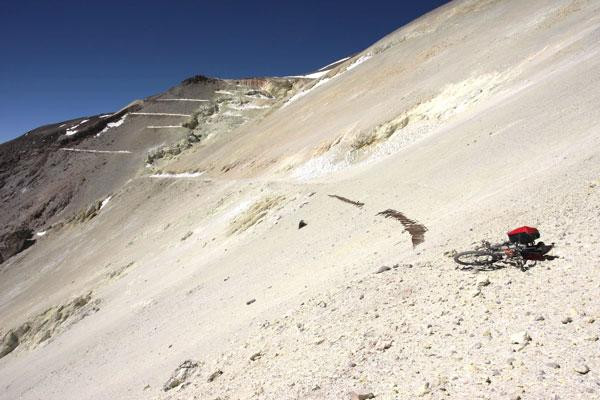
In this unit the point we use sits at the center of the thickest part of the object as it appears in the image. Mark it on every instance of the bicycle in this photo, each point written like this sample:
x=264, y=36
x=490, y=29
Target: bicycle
x=518, y=250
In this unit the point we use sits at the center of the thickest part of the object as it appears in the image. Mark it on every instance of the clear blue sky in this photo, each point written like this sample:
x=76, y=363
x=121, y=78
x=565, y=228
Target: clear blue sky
x=66, y=59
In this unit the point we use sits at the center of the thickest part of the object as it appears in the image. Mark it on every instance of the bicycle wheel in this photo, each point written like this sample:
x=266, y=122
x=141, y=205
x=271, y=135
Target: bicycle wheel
x=477, y=258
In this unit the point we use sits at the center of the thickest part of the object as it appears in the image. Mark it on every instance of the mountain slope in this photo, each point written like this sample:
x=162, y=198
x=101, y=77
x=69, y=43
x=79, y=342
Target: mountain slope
x=474, y=119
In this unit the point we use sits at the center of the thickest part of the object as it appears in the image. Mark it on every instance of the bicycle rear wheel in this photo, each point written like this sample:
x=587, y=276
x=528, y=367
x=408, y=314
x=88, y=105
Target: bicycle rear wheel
x=477, y=258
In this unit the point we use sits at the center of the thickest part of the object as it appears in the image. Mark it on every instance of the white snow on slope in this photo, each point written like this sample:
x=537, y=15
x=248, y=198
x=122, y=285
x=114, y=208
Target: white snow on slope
x=160, y=114
x=314, y=75
x=105, y=202
x=112, y=125
x=247, y=106
x=224, y=92
x=258, y=96
x=324, y=70
x=73, y=130
x=105, y=115
x=303, y=93
x=42, y=233
x=96, y=151
x=232, y=114
x=179, y=175
x=181, y=100
x=359, y=61
x=333, y=63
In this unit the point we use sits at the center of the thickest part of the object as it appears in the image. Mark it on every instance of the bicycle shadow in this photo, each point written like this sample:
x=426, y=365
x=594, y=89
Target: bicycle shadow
x=522, y=265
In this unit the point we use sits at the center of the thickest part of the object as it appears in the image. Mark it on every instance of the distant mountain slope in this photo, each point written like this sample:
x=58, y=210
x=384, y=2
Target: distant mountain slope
x=56, y=171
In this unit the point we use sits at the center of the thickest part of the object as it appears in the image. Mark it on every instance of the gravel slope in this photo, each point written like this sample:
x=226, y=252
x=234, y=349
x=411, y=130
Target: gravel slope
x=475, y=119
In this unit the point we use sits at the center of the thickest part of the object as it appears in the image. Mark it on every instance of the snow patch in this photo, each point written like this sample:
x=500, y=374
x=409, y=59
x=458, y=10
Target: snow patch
x=305, y=92
x=182, y=100
x=247, y=106
x=333, y=63
x=232, y=114
x=161, y=114
x=105, y=115
x=42, y=233
x=258, y=96
x=314, y=75
x=179, y=175
x=73, y=130
x=112, y=125
x=359, y=61
x=227, y=92
x=95, y=151
x=105, y=202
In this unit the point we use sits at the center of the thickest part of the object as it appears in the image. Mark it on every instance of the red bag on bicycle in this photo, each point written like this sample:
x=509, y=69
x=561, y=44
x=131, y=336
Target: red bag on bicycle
x=523, y=235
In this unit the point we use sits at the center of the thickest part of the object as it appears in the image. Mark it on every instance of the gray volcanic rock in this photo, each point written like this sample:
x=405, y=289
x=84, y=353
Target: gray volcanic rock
x=15, y=241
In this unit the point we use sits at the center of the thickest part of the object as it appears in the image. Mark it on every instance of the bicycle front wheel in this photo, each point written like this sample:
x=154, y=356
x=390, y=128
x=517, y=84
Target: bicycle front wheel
x=477, y=258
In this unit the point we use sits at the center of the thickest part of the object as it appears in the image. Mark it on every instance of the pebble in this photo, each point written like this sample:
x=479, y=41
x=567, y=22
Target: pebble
x=383, y=269
x=553, y=365
x=383, y=346
x=250, y=301
x=540, y=318
x=520, y=338
x=365, y=396
x=582, y=369
x=567, y=320
x=483, y=281
x=215, y=375
x=425, y=389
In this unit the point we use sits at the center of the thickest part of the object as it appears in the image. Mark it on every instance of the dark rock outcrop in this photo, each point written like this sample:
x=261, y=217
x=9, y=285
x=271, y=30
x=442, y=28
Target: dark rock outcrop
x=14, y=242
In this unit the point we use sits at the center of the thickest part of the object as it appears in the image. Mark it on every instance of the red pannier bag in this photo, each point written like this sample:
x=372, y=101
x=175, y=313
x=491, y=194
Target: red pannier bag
x=523, y=235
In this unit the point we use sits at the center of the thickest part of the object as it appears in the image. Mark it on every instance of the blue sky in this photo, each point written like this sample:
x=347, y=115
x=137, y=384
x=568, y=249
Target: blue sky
x=66, y=59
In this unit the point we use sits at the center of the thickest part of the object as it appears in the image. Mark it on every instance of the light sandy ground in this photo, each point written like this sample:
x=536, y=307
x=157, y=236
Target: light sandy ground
x=475, y=119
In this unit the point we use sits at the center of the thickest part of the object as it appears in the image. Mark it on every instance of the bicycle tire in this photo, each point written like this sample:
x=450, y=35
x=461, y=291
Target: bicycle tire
x=477, y=258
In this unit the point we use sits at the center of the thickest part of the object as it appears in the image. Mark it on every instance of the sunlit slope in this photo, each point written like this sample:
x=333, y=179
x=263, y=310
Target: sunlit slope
x=474, y=119
x=456, y=62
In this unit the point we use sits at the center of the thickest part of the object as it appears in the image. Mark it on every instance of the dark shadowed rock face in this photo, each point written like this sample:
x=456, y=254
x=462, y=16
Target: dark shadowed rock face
x=198, y=79
x=36, y=181
x=14, y=242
